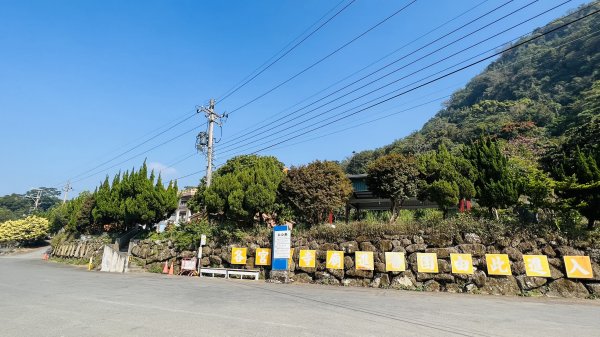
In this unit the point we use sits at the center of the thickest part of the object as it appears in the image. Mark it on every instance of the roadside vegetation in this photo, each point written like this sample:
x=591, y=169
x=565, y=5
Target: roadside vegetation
x=520, y=142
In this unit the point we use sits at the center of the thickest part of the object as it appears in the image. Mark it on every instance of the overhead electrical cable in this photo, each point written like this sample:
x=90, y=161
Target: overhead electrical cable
x=401, y=58
x=258, y=71
x=310, y=119
x=138, y=154
x=436, y=79
x=491, y=56
x=353, y=126
x=129, y=150
x=261, y=122
x=324, y=58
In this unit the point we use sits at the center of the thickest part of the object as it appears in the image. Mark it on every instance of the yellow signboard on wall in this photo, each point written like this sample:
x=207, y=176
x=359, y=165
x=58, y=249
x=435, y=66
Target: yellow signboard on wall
x=461, y=263
x=578, y=267
x=536, y=265
x=335, y=259
x=427, y=263
x=395, y=261
x=364, y=260
x=307, y=258
x=291, y=259
x=497, y=264
x=263, y=257
x=238, y=255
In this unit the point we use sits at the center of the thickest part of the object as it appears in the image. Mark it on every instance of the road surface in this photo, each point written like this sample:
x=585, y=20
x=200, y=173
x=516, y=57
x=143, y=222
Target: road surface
x=40, y=298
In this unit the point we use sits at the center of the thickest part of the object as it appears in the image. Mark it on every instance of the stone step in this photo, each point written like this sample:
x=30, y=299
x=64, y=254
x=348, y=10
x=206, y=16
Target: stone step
x=134, y=268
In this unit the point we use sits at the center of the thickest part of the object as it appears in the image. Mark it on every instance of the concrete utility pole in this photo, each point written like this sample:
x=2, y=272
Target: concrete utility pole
x=36, y=200
x=66, y=190
x=207, y=138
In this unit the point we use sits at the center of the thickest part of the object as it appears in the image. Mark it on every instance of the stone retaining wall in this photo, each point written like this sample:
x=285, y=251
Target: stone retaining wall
x=219, y=255
x=79, y=249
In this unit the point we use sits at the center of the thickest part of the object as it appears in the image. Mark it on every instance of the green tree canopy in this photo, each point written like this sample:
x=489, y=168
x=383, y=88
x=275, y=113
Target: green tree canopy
x=447, y=178
x=394, y=176
x=496, y=184
x=133, y=198
x=244, y=187
x=316, y=189
x=579, y=183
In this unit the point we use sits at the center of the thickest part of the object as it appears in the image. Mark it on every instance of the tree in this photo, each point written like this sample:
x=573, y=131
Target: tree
x=15, y=206
x=27, y=230
x=316, y=189
x=244, y=187
x=496, y=184
x=396, y=177
x=447, y=178
x=579, y=184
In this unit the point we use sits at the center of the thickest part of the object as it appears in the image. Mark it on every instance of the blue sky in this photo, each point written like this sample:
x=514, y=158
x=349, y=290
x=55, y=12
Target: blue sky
x=83, y=81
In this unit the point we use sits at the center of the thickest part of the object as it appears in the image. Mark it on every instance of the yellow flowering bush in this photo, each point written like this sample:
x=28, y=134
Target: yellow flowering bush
x=31, y=228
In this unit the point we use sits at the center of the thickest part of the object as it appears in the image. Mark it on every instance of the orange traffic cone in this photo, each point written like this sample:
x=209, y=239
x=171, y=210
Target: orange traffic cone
x=166, y=268
x=171, y=269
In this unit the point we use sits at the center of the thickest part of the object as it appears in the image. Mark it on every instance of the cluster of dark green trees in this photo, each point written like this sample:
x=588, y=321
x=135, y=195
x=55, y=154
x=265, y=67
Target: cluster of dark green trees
x=250, y=189
x=539, y=105
x=132, y=198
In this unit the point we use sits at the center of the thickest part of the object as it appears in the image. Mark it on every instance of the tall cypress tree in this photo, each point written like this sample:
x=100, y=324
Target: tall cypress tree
x=579, y=184
x=495, y=183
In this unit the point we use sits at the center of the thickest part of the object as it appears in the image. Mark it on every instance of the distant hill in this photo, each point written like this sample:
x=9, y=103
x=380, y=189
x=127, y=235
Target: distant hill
x=531, y=96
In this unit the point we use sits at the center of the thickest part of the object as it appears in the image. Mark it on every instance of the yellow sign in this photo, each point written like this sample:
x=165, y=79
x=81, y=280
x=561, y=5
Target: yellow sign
x=461, y=263
x=291, y=259
x=238, y=255
x=536, y=265
x=427, y=263
x=395, y=261
x=263, y=257
x=578, y=267
x=364, y=260
x=497, y=264
x=335, y=259
x=307, y=258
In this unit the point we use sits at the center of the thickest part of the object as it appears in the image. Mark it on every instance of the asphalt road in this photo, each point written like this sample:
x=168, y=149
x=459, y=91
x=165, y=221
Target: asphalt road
x=39, y=298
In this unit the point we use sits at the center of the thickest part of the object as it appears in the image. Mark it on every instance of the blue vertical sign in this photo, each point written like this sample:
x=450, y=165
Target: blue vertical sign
x=282, y=241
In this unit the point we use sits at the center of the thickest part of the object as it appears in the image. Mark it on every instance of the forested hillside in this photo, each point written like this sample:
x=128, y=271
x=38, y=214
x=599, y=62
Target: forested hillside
x=533, y=98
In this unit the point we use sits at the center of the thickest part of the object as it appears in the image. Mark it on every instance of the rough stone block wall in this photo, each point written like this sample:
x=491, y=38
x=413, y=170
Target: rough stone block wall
x=79, y=249
x=217, y=254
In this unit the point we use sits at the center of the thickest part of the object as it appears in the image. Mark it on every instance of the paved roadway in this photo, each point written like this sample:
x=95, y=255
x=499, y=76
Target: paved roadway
x=39, y=298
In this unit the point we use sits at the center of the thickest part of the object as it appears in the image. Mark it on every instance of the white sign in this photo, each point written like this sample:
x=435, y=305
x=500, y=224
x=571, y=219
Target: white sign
x=188, y=264
x=282, y=241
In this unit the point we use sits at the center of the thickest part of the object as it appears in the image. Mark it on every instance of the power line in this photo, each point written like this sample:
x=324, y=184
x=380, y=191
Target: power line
x=396, y=113
x=309, y=119
x=437, y=78
x=139, y=154
x=448, y=74
x=353, y=126
x=388, y=65
x=252, y=77
x=169, y=128
x=235, y=135
x=324, y=58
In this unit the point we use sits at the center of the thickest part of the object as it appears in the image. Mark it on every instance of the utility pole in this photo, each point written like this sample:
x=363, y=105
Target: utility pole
x=36, y=200
x=206, y=139
x=66, y=190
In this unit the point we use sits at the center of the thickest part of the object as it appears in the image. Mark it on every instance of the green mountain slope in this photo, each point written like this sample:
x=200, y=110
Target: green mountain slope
x=531, y=96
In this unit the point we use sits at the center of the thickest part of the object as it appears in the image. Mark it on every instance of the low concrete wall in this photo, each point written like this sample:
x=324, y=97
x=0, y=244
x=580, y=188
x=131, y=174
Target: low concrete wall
x=114, y=261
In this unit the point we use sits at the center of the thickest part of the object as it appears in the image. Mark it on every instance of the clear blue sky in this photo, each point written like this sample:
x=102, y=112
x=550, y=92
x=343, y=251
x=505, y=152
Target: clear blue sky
x=82, y=81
